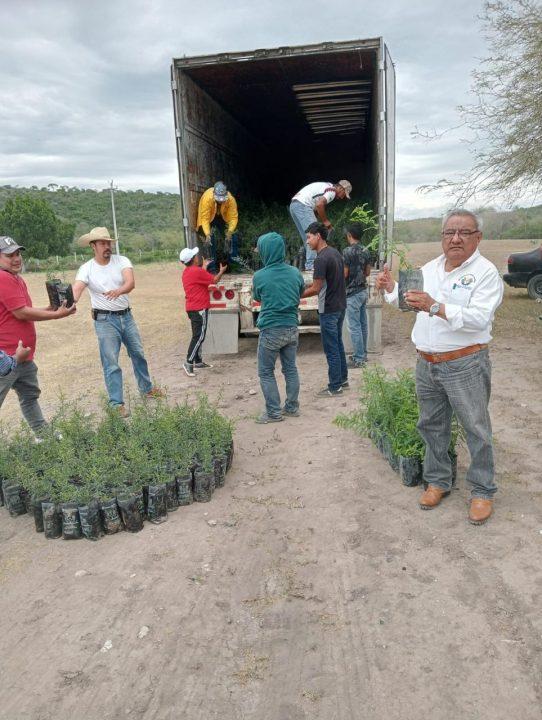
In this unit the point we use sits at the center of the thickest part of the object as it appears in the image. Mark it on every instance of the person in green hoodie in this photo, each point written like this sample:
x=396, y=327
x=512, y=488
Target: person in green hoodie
x=278, y=287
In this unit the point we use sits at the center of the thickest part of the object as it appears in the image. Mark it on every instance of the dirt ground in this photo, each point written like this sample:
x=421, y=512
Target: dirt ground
x=312, y=586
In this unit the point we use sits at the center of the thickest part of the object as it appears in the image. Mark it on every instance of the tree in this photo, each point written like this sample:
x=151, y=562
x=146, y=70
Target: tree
x=32, y=223
x=506, y=118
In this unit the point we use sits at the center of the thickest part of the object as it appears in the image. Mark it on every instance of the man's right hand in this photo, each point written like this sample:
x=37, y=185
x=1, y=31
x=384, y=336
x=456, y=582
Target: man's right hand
x=64, y=311
x=22, y=353
x=384, y=280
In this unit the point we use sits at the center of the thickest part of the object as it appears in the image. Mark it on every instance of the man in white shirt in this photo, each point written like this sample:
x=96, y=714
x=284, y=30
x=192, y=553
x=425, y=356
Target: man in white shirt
x=309, y=204
x=109, y=279
x=462, y=291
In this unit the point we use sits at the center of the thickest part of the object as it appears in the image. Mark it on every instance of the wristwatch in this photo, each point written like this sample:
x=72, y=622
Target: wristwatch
x=433, y=310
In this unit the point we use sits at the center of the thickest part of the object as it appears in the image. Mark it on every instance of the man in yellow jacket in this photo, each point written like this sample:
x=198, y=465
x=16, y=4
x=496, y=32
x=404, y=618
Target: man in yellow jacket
x=217, y=216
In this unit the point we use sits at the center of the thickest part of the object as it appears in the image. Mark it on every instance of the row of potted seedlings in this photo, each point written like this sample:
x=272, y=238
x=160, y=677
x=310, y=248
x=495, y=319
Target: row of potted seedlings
x=388, y=415
x=87, y=478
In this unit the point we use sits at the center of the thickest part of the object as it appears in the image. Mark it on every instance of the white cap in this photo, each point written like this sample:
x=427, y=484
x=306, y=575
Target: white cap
x=187, y=254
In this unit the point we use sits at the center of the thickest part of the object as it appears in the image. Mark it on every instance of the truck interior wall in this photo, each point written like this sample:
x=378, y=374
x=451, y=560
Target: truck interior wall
x=242, y=125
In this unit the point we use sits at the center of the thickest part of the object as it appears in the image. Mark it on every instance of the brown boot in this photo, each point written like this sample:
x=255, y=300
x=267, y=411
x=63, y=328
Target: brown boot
x=480, y=510
x=432, y=496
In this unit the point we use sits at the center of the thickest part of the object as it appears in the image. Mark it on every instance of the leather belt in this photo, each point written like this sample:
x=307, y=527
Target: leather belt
x=452, y=355
x=96, y=311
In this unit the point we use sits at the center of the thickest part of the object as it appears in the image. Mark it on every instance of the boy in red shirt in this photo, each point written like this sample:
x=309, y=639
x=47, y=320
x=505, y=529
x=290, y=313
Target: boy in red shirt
x=196, y=281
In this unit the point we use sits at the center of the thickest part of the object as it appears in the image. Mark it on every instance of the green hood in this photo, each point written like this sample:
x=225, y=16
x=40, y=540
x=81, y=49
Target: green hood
x=272, y=248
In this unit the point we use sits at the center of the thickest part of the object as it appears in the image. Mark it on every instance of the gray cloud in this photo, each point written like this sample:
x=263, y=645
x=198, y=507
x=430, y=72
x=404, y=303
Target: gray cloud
x=84, y=89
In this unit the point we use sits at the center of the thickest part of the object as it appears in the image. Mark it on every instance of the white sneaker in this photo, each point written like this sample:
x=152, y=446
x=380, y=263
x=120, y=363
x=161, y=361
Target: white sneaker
x=189, y=369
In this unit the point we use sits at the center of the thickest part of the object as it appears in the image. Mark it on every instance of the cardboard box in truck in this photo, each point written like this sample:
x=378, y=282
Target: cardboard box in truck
x=267, y=122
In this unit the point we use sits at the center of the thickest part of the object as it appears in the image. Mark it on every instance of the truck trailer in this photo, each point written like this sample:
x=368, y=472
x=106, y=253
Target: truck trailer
x=267, y=122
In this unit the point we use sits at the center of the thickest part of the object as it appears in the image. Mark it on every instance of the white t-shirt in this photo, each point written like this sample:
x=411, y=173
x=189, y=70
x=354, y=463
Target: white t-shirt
x=101, y=278
x=310, y=194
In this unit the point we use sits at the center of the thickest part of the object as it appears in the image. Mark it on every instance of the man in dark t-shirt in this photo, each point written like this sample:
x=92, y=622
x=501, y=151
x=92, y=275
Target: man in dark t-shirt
x=357, y=266
x=329, y=284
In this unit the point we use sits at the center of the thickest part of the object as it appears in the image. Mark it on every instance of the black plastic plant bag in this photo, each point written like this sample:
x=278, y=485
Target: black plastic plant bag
x=14, y=499
x=1, y=493
x=37, y=512
x=110, y=516
x=410, y=469
x=52, y=520
x=27, y=499
x=141, y=503
x=219, y=469
x=157, y=504
x=185, y=492
x=409, y=280
x=172, y=501
x=71, y=525
x=203, y=485
x=91, y=521
x=229, y=453
x=130, y=512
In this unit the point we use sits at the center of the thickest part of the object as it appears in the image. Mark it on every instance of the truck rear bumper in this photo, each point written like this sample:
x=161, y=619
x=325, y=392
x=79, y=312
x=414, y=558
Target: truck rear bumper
x=516, y=280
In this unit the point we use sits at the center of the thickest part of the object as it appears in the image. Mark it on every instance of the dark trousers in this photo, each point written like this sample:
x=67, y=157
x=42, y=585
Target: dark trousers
x=198, y=319
x=331, y=331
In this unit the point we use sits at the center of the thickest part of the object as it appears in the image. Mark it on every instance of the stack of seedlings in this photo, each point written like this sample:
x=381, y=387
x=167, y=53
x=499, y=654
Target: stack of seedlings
x=389, y=415
x=87, y=477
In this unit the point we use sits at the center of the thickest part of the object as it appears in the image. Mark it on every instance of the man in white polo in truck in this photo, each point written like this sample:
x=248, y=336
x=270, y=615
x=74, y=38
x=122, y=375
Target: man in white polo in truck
x=110, y=278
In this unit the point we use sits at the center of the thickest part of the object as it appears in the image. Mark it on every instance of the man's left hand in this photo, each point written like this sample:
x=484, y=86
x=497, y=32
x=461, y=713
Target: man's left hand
x=419, y=300
x=223, y=268
x=113, y=294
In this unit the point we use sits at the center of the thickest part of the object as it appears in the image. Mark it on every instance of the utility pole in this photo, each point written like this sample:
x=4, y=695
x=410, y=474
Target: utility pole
x=114, y=218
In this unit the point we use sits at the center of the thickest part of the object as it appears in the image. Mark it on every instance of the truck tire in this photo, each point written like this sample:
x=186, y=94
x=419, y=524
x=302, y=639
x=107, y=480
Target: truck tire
x=534, y=287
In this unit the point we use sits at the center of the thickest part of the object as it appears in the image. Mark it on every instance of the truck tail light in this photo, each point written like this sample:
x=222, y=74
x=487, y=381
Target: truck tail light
x=217, y=295
x=229, y=294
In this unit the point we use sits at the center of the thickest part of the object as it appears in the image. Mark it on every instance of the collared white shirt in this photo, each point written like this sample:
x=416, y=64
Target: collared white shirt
x=471, y=294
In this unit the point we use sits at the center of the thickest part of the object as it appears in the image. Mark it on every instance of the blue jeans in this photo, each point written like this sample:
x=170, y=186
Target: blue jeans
x=112, y=331
x=282, y=342
x=303, y=216
x=356, y=322
x=331, y=329
x=463, y=387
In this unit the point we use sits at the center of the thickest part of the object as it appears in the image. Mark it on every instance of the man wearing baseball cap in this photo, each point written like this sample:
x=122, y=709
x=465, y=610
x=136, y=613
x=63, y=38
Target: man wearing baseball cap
x=196, y=280
x=217, y=216
x=110, y=278
x=18, y=333
x=309, y=204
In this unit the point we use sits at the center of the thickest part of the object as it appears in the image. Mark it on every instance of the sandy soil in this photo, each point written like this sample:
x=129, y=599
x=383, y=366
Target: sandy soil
x=321, y=592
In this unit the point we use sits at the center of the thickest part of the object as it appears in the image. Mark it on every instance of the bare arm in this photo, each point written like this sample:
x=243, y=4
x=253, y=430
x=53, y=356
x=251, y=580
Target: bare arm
x=314, y=288
x=221, y=272
x=127, y=286
x=78, y=288
x=39, y=314
x=368, y=269
x=320, y=211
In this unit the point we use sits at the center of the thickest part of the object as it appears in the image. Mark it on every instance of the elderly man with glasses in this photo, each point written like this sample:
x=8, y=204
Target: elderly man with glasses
x=462, y=291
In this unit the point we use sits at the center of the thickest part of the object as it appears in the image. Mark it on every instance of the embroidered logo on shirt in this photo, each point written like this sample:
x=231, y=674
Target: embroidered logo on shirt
x=466, y=281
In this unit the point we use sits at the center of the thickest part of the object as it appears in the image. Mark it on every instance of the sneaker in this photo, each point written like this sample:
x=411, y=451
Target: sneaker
x=189, y=369
x=155, y=392
x=264, y=419
x=290, y=413
x=202, y=365
x=326, y=392
x=345, y=384
x=354, y=364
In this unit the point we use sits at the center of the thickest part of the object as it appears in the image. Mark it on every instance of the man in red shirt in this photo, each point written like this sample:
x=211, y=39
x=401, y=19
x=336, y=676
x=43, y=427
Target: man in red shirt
x=17, y=318
x=196, y=281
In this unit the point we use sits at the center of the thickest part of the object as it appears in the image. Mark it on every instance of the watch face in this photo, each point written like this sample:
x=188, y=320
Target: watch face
x=433, y=310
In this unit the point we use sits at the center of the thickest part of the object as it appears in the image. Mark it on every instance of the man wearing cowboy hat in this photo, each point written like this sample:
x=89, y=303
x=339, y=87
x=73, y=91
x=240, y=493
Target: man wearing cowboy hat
x=217, y=214
x=18, y=333
x=109, y=278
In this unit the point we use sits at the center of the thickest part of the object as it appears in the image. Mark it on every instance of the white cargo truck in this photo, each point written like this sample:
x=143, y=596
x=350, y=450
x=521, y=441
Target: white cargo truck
x=268, y=122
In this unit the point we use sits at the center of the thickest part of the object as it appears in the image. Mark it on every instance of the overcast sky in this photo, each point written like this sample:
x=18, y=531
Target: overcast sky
x=85, y=95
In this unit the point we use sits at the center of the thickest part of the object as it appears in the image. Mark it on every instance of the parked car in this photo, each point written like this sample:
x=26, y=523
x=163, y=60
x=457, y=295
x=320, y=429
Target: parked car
x=525, y=270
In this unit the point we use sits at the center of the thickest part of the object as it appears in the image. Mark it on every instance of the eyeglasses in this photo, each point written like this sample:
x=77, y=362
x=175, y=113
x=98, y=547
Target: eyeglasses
x=465, y=234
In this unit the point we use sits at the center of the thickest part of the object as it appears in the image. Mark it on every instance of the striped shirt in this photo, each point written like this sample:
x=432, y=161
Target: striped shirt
x=7, y=363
